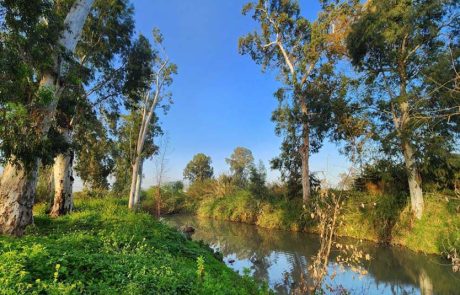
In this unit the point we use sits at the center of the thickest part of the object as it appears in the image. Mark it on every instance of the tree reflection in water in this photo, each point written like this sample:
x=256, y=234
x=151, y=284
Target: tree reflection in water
x=281, y=257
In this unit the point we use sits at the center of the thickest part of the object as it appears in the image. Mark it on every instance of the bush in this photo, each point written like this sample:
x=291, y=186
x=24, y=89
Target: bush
x=382, y=177
x=173, y=200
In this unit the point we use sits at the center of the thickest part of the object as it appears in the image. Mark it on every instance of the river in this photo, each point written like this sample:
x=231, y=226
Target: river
x=281, y=257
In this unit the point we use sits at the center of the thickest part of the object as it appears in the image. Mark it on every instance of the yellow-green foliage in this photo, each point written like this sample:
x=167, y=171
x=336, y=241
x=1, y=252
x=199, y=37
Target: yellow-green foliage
x=102, y=248
x=437, y=231
x=244, y=207
x=239, y=207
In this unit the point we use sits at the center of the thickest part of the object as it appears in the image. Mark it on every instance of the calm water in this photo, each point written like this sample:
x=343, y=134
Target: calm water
x=280, y=257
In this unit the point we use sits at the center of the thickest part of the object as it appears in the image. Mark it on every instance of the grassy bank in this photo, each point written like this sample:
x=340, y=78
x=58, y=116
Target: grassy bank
x=384, y=219
x=102, y=248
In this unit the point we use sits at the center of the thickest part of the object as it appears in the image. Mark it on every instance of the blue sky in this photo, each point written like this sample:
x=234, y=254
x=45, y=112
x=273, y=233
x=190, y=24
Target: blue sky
x=221, y=99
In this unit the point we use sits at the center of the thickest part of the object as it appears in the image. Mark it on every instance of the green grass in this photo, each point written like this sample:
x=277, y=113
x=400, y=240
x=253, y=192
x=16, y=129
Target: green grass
x=102, y=248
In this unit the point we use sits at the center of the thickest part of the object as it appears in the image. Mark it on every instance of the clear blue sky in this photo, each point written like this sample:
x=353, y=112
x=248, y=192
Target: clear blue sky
x=221, y=99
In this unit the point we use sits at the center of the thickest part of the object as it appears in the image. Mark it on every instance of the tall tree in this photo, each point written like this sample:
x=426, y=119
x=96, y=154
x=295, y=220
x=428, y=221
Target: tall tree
x=392, y=43
x=199, y=168
x=297, y=47
x=240, y=162
x=147, y=98
x=29, y=26
x=105, y=39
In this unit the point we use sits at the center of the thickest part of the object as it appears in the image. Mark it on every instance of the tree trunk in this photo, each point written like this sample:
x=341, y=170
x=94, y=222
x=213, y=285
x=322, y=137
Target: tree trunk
x=306, y=190
x=134, y=175
x=63, y=181
x=159, y=200
x=137, y=193
x=414, y=180
x=413, y=175
x=18, y=183
x=17, y=191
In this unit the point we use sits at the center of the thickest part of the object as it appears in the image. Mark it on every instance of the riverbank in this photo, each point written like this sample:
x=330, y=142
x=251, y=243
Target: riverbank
x=281, y=258
x=383, y=219
x=102, y=247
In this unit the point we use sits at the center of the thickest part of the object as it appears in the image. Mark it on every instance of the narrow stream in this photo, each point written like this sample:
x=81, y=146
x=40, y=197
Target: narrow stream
x=281, y=257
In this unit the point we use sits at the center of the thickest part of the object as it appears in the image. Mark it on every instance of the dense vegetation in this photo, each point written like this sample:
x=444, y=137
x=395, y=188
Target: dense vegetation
x=102, y=248
x=381, y=218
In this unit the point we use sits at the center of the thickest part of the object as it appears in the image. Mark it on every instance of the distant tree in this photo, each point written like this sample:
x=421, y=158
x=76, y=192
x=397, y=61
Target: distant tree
x=174, y=186
x=240, y=163
x=199, y=168
x=392, y=44
x=257, y=180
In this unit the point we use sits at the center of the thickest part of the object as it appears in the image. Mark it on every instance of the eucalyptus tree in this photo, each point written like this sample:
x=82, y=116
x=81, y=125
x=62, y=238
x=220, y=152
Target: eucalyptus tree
x=38, y=40
x=124, y=152
x=151, y=94
x=139, y=72
x=393, y=44
x=99, y=77
x=199, y=168
x=298, y=48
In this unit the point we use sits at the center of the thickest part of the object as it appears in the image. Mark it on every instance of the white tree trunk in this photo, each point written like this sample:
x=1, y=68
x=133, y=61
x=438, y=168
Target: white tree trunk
x=137, y=193
x=414, y=180
x=63, y=180
x=134, y=175
x=17, y=190
x=18, y=183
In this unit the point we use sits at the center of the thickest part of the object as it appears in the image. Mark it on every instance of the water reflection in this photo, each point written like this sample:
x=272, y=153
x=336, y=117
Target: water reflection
x=280, y=258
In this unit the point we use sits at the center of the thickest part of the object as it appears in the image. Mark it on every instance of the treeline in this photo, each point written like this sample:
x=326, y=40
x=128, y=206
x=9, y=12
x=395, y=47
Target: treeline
x=76, y=85
x=79, y=90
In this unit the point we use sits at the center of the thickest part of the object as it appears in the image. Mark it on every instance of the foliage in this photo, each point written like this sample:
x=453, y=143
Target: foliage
x=240, y=162
x=173, y=199
x=29, y=50
x=305, y=54
x=257, y=180
x=93, y=151
x=98, y=247
x=199, y=168
x=44, y=191
x=382, y=176
x=441, y=172
x=124, y=151
x=26, y=50
x=395, y=47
